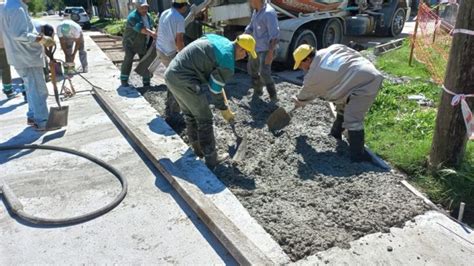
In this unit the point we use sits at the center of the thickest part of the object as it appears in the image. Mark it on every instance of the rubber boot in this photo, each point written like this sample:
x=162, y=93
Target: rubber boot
x=272, y=92
x=337, y=129
x=207, y=142
x=172, y=110
x=124, y=83
x=8, y=90
x=356, y=146
x=257, y=87
x=192, y=133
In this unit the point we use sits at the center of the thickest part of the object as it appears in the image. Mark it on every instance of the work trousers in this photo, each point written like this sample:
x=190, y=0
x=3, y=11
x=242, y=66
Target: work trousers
x=6, y=72
x=358, y=103
x=127, y=66
x=82, y=52
x=196, y=112
x=36, y=93
x=260, y=73
x=172, y=107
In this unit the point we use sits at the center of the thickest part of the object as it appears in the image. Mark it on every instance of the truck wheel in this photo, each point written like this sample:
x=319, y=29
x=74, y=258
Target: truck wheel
x=396, y=24
x=301, y=36
x=329, y=32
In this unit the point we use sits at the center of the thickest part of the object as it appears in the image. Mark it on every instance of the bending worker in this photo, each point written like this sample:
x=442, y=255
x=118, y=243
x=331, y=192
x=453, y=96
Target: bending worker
x=169, y=41
x=136, y=40
x=343, y=76
x=264, y=28
x=23, y=46
x=208, y=60
x=71, y=40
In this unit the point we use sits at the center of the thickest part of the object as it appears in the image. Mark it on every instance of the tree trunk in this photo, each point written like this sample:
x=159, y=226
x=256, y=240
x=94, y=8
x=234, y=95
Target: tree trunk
x=102, y=8
x=450, y=137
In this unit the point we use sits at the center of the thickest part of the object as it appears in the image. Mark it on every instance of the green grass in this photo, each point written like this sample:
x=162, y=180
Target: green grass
x=401, y=132
x=110, y=26
x=396, y=63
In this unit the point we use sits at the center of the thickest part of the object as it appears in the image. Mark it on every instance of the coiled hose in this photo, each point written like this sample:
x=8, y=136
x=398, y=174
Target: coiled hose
x=17, y=207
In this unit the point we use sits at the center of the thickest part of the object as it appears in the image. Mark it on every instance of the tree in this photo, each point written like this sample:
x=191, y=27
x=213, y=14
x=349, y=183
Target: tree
x=102, y=7
x=450, y=138
x=36, y=6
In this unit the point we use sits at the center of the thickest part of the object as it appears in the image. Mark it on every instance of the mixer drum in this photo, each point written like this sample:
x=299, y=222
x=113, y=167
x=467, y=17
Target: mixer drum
x=307, y=6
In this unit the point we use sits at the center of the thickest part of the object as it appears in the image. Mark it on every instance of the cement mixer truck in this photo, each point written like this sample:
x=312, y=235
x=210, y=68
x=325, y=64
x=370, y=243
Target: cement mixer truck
x=316, y=22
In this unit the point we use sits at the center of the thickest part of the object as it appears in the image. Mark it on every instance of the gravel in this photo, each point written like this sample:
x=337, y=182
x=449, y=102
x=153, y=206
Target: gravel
x=299, y=184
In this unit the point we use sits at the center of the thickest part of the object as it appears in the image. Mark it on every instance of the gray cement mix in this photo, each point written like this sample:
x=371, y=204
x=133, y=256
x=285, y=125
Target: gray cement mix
x=299, y=183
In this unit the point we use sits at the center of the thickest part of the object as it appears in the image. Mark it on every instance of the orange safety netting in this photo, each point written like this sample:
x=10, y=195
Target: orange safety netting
x=432, y=41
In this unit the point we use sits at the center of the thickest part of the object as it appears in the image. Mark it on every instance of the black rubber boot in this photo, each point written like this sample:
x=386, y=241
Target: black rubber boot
x=356, y=146
x=124, y=83
x=192, y=132
x=172, y=111
x=272, y=92
x=337, y=129
x=257, y=87
x=207, y=142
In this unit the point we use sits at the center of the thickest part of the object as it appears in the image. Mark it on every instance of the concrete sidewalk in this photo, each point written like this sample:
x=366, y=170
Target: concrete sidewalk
x=153, y=225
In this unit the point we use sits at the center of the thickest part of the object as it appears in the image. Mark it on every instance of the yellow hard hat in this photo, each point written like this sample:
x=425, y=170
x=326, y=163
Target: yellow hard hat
x=180, y=1
x=247, y=42
x=301, y=53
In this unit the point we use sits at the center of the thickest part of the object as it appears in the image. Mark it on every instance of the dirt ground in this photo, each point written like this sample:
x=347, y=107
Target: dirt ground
x=300, y=184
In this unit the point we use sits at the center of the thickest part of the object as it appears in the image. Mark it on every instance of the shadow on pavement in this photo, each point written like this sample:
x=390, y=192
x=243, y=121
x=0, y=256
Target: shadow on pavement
x=27, y=136
x=4, y=110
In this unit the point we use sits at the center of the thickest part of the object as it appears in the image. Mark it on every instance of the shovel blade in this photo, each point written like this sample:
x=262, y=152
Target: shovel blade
x=279, y=119
x=57, y=117
x=241, y=149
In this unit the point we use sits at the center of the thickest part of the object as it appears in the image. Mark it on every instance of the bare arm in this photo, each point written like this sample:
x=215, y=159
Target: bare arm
x=179, y=41
x=148, y=32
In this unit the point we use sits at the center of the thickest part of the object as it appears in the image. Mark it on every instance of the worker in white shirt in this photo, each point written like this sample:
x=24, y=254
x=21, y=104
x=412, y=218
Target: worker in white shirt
x=169, y=41
x=71, y=39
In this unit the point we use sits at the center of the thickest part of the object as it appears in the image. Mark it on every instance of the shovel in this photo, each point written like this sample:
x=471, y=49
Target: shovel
x=279, y=119
x=57, y=115
x=241, y=143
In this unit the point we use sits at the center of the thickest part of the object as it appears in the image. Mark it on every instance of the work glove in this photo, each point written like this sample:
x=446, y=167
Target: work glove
x=298, y=103
x=47, y=41
x=218, y=101
x=228, y=115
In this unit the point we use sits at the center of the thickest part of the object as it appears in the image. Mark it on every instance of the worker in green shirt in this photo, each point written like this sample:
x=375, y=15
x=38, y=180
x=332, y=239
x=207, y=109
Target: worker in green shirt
x=209, y=60
x=136, y=39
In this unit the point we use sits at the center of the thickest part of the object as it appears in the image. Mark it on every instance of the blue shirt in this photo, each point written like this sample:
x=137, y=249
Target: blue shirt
x=171, y=23
x=263, y=27
x=19, y=36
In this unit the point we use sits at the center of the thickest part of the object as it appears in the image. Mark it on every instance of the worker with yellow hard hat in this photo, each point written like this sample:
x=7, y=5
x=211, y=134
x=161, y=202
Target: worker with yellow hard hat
x=209, y=60
x=341, y=75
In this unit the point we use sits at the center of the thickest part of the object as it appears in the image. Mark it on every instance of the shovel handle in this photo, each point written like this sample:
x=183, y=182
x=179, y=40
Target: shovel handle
x=52, y=69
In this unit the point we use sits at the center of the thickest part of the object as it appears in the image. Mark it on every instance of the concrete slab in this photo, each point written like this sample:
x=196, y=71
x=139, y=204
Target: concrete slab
x=152, y=225
x=431, y=239
x=171, y=147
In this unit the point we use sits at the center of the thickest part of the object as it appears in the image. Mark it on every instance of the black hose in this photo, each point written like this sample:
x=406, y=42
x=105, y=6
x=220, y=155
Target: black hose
x=17, y=206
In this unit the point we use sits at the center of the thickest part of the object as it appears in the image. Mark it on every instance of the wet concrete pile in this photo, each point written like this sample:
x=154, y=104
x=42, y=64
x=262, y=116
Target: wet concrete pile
x=299, y=183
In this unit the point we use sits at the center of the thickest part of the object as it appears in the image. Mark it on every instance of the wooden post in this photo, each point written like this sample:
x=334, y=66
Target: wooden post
x=449, y=140
x=412, y=50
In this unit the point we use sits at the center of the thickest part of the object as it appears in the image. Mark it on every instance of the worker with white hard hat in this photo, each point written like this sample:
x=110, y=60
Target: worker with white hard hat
x=71, y=39
x=136, y=40
x=341, y=75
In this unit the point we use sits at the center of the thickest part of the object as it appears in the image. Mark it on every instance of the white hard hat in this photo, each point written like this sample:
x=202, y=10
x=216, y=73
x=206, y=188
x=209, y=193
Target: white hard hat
x=141, y=3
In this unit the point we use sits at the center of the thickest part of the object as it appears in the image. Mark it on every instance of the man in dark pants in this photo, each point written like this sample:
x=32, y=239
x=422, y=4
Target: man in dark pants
x=136, y=37
x=209, y=60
